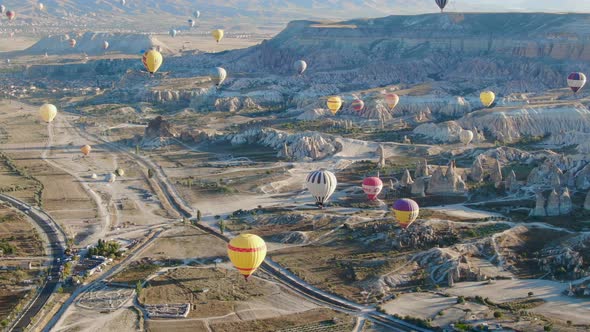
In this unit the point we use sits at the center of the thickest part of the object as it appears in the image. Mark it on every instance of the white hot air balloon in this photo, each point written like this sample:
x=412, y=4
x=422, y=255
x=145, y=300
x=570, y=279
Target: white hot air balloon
x=110, y=178
x=321, y=184
x=173, y=33
x=94, y=176
x=466, y=136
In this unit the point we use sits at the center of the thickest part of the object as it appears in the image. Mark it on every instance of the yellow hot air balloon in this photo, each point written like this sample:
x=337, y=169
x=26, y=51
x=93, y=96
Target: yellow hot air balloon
x=120, y=172
x=487, y=98
x=86, y=149
x=47, y=112
x=217, y=34
x=246, y=252
x=334, y=104
x=152, y=60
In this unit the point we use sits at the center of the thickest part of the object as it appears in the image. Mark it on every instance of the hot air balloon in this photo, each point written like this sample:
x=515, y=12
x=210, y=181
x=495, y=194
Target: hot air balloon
x=110, y=178
x=218, y=75
x=152, y=60
x=487, y=98
x=358, y=105
x=120, y=172
x=123, y=2
x=334, y=104
x=172, y=33
x=576, y=81
x=246, y=252
x=105, y=45
x=191, y=23
x=94, y=176
x=2, y=9
x=11, y=15
x=392, y=100
x=217, y=34
x=86, y=149
x=196, y=14
x=406, y=212
x=321, y=184
x=41, y=6
x=73, y=42
x=300, y=66
x=47, y=112
x=372, y=187
x=441, y=4
x=466, y=136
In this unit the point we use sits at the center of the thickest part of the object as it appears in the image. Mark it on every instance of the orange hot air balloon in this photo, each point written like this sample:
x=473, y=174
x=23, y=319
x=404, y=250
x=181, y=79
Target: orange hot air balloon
x=358, y=105
x=246, y=252
x=86, y=149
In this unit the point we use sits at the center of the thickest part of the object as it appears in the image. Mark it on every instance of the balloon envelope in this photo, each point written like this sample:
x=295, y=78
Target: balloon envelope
x=466, y=136
x=105, y=45
x=372, y=186
x=358, y=105
x=48, y=112
x=321, y=184
x=217, y=34
x=86, y=149
x=218, y=75
x=73, y=42
x=120, y=172
x=246, y=252
x=487, y=98
x=406, y=211
x=576, y=81
x=392, y=100
x=197, y=14
x=300, y=66
x=334, y=104
x=441, y=4
x=11, y=15
x=173, y=33
x=152, y=60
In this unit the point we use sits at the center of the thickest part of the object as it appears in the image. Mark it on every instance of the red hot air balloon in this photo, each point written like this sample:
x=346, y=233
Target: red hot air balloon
x=406, y=212
x=358, y=105
x=372, y=187
x=11, y=15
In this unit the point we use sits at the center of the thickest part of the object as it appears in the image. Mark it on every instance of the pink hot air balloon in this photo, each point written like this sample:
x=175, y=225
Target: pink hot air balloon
x=358, y=105
x=11, y=15
x=392, y=100
x=372, y=187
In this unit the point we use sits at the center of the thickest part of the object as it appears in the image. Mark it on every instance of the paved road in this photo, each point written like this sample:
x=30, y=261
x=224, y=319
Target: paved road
x=57, y=247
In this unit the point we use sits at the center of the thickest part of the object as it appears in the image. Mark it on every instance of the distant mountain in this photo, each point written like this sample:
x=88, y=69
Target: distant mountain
x=265, y=11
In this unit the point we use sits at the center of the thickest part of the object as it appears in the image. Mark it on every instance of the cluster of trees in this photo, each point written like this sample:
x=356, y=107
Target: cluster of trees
x=104, y=248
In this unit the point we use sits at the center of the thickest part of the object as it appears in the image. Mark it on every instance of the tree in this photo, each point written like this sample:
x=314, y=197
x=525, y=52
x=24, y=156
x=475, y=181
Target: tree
x=138, y=287
x=150, y=173
x=548, y=328
x=136, y=148
x=198, y=215
x=497, y=314
x=221, y=226
x=460, y=300
x=531, y=294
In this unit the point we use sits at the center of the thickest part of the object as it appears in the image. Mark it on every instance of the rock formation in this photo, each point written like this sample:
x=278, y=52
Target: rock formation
x=422, y=169
x=511, y=183
x=157, y=132
x=445, y=183
x=587, y=202
x=407, y=179
x=381, y=154
x=496, y=173
x=546, y=175
x=553, y=204
x=419, y=187
x=477, y=171
x=539, y=210
x=565, y=202
x=301, y=146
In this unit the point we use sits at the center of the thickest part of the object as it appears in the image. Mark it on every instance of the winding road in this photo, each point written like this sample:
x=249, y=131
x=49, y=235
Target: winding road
x=57, y=244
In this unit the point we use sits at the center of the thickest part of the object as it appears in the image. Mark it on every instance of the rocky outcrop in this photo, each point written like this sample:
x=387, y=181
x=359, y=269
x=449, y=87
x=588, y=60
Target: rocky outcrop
x=553, y=204
x=539, y=210
x=157, y=132
x=447, y=182
x=419, y=187
x=513, y=124
x=486, y=167
x=447, y=132
x=407, y=179
x=382, y=157
x=511, y=184
x=235, y=104
x=422, y=169
x=546, y=175
x=587, y=202
x=301, y=146
x=565, y=203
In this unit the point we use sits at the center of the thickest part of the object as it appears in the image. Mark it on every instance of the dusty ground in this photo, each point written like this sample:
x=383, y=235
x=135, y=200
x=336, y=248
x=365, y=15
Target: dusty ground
x=122, y=320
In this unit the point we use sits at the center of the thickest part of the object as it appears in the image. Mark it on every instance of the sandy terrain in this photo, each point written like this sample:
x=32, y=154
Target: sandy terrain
x=423, y=305
x=558, y=306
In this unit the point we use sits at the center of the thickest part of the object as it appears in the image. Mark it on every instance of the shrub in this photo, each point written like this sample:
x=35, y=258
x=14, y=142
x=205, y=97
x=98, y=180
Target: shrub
x=497, y=314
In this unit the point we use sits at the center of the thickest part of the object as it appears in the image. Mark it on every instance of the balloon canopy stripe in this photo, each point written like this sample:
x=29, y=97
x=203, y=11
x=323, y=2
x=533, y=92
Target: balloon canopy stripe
x=236, y=249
